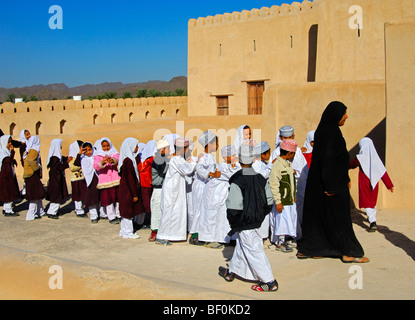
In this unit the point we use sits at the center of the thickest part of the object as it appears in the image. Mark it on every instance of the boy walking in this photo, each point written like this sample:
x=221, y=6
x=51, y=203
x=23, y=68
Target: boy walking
x=248, y=202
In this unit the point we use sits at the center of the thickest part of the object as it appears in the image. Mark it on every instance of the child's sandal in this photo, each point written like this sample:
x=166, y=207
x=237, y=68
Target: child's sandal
x=266, y=287
x=225, y=274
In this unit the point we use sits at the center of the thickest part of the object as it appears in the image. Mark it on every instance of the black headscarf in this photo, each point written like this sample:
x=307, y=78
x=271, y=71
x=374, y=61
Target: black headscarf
x=328, y=138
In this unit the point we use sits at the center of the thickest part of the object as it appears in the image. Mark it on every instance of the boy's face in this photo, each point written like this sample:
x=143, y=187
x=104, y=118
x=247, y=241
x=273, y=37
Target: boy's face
x=213, y=146
x=27, y=134
x=165, y=151
x=247, y=134
x=287, y=138
x=88, y=151
x=290, y=155
x=105, y=146
x=266, y=155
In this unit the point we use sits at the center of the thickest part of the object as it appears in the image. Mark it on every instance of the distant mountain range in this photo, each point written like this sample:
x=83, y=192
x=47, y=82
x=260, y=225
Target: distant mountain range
x=62, y=91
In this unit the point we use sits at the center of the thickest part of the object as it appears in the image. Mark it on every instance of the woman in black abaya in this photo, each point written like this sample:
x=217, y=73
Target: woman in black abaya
x=327, y=223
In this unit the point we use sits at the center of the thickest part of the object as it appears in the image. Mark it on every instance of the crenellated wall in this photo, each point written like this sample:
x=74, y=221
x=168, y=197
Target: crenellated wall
x=68, y=116
x=252, y=15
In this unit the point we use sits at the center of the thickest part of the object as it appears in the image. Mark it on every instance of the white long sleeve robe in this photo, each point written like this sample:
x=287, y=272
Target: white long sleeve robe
x=173, y=223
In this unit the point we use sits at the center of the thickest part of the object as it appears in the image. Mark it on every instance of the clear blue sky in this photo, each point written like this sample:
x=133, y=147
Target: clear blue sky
x=101, y=41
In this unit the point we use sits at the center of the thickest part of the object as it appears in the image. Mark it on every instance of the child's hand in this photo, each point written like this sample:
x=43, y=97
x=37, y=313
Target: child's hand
x=216, y=174
x=135, y=199
x=279, y=207
x=391, y=190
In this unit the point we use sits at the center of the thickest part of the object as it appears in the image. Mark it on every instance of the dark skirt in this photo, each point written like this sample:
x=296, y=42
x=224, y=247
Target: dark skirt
x=79, y=190
x=146, y=196
x=109, y=196
x=92, y=195
x=34, y=188
x=9, y=187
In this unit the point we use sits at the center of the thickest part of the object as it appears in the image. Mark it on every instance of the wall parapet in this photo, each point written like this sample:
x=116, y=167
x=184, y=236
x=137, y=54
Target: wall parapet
x=63, y=105
x=254, y=14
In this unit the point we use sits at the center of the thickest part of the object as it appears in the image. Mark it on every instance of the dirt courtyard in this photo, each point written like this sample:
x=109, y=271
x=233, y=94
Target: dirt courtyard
x=95, y=263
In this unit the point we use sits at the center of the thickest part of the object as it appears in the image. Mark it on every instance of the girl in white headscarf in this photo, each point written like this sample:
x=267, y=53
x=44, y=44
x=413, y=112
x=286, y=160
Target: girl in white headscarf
x=106, y=160
x=57, y=190
x=77, y=178
x=129, y=196
x=92, y=195
x=144, y=168
x=9, y=188
x=307, y=149
x=243, y=136
x=32, y=174
x=371, y=171
x=24, y=138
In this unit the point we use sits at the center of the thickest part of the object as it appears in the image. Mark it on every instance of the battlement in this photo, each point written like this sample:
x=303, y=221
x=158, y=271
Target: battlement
x=63, y=105
x=254, y=14
x=57, y=117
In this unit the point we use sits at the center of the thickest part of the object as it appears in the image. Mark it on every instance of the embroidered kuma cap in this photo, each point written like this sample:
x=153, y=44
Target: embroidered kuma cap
x=246, y=154
x=162, y=144
x=286, y=131
x=262, y=147
x=182, y=142
x=206, y=137
x=228, y=151
x=289, y=145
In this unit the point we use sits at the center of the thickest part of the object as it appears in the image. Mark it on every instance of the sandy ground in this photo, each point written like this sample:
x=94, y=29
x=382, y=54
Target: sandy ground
x=97, y=264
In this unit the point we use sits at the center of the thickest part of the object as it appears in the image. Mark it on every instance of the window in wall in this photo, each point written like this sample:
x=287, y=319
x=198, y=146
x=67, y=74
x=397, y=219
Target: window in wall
x=222, y=103
x=38, y=125
x=255, y=97
x=12, y=126
x=312, y=53
x=94, y=119
x=61, y=125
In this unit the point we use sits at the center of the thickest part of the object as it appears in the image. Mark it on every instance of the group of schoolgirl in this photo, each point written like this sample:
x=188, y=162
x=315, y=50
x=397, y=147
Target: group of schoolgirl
x=95, y=176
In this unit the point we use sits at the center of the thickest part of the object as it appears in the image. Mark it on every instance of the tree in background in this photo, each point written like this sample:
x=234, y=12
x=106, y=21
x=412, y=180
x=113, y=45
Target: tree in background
x=11, y=97
x=127, y=94
x=141, y=93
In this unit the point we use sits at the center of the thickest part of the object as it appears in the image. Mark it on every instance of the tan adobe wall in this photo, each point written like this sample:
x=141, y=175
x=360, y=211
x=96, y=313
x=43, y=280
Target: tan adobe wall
x=400, y=87
x=77, y=114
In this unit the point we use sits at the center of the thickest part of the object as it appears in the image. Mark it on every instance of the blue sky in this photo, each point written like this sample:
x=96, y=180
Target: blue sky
x=101, y=41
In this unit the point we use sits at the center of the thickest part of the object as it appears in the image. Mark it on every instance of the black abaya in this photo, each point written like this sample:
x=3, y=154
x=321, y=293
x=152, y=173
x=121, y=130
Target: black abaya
x=327, y=224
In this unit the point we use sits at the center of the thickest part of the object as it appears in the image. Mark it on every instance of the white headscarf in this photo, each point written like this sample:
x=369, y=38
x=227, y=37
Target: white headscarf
x=22, y=136
x=4, y=152
x=55, y=150
x=149, y=150
x=308, y=140
x=87, y=165
x=103, y=153
x=171, y=138
x=32, y=143
x=370, y=162
x=239, y=138
x=127, y=151
x=73, y=150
